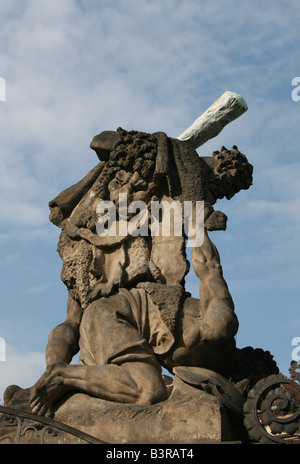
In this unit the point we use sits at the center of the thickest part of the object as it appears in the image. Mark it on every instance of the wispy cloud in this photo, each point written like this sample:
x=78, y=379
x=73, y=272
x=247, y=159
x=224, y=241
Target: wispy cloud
x=22, y=367
x=40, y=288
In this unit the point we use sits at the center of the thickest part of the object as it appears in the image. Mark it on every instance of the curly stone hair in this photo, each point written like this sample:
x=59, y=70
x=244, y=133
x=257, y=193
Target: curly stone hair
x=231, y=173
x=133, y=151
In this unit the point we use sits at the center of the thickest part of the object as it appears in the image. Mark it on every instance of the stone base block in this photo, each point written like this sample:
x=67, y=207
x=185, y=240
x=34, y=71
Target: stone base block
x=189, y=415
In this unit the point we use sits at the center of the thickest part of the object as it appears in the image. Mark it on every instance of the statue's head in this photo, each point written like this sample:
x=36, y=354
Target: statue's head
x=230, y=172
x=130, y=183
x=129, y=165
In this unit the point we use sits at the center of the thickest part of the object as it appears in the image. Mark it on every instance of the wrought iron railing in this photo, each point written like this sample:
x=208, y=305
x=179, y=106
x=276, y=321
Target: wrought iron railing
x=18, y=426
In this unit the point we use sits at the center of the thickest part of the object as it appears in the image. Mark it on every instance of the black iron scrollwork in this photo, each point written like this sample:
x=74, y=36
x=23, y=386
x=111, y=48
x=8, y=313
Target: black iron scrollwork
x=272, y=409
x=21, y=423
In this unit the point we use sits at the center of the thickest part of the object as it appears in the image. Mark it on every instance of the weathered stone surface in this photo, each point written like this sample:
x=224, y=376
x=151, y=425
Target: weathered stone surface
x=190, y=416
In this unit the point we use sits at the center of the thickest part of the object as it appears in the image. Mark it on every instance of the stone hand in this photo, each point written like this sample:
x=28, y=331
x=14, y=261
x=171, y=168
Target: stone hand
x=48, y=389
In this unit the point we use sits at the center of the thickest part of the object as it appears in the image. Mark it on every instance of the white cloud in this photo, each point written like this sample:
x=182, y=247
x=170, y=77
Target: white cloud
x=22, y=368
x=40, y=288
x=11, y=258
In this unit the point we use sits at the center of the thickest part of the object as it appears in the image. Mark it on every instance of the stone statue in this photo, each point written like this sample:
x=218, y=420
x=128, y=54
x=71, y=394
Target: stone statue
x=128, y=311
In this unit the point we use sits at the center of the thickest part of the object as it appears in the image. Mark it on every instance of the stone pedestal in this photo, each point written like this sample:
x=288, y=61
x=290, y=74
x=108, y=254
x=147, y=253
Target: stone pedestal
x=189, y=415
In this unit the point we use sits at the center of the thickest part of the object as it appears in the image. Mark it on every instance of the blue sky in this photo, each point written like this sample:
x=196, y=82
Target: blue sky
x=75, y=68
